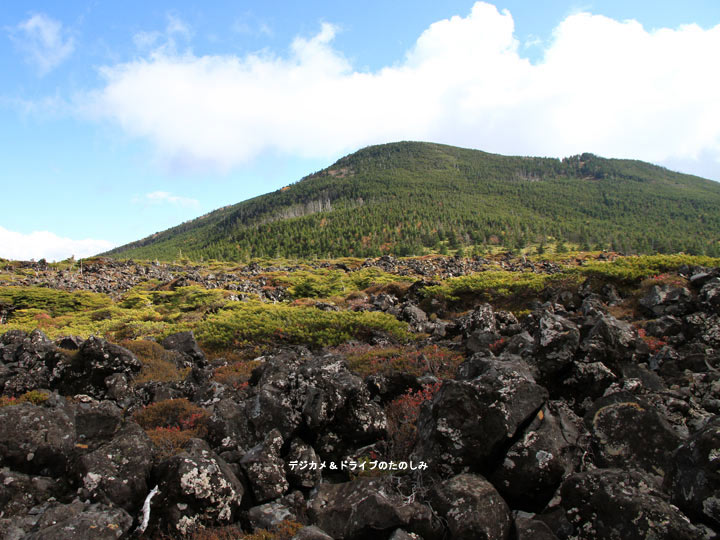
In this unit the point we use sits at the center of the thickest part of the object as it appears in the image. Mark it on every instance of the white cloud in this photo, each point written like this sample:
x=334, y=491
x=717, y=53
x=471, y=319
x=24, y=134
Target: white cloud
x=43, y=41
x=602, y=86
x=160, y=197
x=164, y=42
x=43, y=244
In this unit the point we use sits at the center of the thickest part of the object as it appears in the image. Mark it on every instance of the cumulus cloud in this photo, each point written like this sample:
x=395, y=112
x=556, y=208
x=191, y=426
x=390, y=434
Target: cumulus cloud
x=43, y=41
x=44, y=244
x=604, y=86
x=165, y=197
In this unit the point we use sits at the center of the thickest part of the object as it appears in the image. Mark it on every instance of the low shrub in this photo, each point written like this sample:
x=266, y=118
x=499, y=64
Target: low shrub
x=325, y=283
x=172, y=413
x=157, y=363
x=169, y=441
x=54, y=302
x=495, y=285
x=171, y=423
x=257, y=322
x=236, y=374
x=402, y=416
x=630, y=269
x=36, y=397
x=431, y=360
x=284, y=530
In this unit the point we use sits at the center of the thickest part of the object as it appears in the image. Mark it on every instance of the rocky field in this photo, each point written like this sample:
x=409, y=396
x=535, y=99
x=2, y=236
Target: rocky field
x=489, y=398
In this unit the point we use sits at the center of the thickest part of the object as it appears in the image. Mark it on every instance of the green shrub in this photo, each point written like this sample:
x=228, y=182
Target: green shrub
x=630, y=269
x=324, y=283
x=256, y=322
x=495, y=284
x=52, y=301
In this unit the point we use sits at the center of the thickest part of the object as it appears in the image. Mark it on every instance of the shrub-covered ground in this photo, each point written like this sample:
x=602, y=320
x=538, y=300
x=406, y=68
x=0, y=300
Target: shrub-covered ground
x=356, y=359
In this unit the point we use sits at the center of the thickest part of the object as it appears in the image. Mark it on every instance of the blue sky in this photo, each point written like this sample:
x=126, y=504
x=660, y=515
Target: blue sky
x=118, y=120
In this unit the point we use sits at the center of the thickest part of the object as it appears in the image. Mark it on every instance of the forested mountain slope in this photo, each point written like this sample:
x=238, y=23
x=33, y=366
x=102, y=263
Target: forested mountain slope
x=403, y=198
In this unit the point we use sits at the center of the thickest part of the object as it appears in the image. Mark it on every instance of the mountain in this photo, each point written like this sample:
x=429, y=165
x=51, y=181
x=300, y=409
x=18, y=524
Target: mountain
x=403, y=197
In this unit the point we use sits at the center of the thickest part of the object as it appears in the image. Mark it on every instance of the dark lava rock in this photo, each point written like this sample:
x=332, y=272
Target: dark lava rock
x=311, y=533
x=631, y=434
x=537, y=463
x=364, y=508
x=317, y=394
x=694, y=478
x=666, y=300
x=81, y=520
x=20, y=492
x=37, y=440
x=705, y=327
x=481, y=319
x=117, y=472
x=472, y=508
x=609, y=341
x=556, y=341
x=532, y=529
x=585, y=383
x=304, y=474
x=30, y=359
x=97, y=422
x=185, y=344
x=468, y=423
x=621, y=505
x=268, y=515
x=196, y=487
x=265, y=469
x=95, y=361
x=710, y=295
x=229, y=427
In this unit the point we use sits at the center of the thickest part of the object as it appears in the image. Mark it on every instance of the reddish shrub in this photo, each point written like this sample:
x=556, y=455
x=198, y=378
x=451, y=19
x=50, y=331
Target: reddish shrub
x=402, y=415
x=173, y=413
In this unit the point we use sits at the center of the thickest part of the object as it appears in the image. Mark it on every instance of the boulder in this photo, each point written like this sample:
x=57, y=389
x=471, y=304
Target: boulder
x=537, y=462
x=481, y=318
x=269, y=515
x=609, y=341
x=469, y=423
x=94, y=362
x=622, y=505
x=37, y=440
x=302, y=465
x=311, y=532
x=705, y=327
x=185, y=344
x=472, y=508
x=630, y=434
x=365, y=507
x=81, y=520
x=196, y=487
x=556, y=341
x=694, y=477
x=97, y=422
x=30, y=359
x=666, y=299
x=710, y=295
x=264, y=468
x=20, y=492
x=532, y=529
x=317, y=394
x=117, y=472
